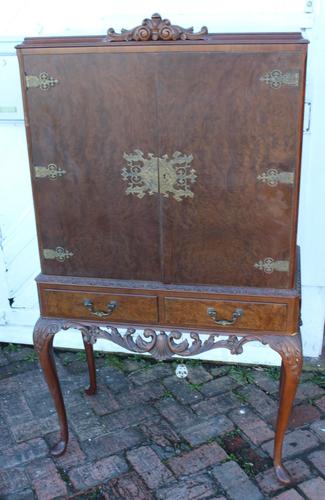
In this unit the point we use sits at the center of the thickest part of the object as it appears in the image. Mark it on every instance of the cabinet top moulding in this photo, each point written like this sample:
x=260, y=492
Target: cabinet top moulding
x=161, y=32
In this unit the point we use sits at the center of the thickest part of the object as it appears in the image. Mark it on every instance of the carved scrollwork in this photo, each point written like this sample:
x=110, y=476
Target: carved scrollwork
x=290, y=351
x=160, y=345
x=156, y=29
x=45, y=329
x=163, y=345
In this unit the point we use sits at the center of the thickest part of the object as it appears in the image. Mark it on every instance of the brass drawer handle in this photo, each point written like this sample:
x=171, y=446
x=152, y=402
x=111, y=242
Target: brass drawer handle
x=225, y=322
x=100, y=314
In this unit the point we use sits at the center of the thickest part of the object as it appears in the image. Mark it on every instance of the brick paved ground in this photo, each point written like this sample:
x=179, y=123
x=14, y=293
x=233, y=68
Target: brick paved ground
x=148, y=435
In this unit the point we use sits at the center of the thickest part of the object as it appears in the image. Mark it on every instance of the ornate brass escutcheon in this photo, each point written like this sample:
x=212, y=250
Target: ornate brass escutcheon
x=176, y=175
x=268, y=265
x=212, y=313
x=100, y=314
x=141, y=173
x=166, y=175
x=276, y=79
x=42, y=81
x=59, y=254
x=52, y=171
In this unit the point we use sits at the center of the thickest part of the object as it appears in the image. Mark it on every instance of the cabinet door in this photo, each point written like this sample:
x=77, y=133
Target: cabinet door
x=235, y=119
x=98, y=112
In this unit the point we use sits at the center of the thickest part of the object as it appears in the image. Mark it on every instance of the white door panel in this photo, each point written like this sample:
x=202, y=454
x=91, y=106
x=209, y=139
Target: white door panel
x=19, y=259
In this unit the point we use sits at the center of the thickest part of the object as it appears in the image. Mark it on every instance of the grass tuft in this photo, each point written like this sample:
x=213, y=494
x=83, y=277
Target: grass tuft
x=114, y=361
x=12, y=348
x=273, y=372
x=241, y=374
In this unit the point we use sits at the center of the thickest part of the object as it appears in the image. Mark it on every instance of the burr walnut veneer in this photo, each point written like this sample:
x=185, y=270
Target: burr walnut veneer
x=165, y=171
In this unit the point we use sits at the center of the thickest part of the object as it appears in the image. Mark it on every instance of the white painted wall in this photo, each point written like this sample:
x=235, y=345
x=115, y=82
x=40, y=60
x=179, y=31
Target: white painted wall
x=19, y=261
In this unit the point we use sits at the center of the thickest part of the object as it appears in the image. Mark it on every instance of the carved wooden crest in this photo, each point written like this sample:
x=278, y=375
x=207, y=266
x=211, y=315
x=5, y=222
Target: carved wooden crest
x=156, y=29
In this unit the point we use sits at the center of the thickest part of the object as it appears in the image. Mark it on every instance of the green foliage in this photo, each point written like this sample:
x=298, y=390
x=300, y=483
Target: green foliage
x=95, y=494
x=318, y=378
x=80, y=356
x=248, y=468
x=31, y=357
x=114, y=361
x=232, y=434
x=232, y=458
x=240, y=396
x=12, y=348
x=167, y=394
x=195, y=387
x=191, y=362
x=64, y=475
x=66, y=360
x=241, y=374
x=146, y=364
x=137, y=360
x=273, y=372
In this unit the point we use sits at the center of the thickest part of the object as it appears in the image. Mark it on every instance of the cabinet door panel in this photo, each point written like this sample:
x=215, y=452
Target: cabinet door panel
x=242, y=128
x=102, y=107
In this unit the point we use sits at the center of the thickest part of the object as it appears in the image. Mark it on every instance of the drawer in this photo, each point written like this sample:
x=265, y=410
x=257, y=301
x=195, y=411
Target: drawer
x=100, y=306
x=231, y=314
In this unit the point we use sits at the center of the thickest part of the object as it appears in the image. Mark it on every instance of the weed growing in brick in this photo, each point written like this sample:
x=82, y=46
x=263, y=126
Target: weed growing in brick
x=241, y=374
x=12, y=348
x=31, y=357
x=114, y=361
x=273, y=372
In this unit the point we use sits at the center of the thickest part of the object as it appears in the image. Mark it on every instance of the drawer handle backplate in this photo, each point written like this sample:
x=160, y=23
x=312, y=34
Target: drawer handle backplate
x=212, y=313
x=100, y=314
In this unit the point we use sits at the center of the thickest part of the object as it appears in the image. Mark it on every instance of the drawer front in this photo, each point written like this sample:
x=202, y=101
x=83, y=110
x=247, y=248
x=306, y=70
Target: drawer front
x=224, y=314
x=100, y=306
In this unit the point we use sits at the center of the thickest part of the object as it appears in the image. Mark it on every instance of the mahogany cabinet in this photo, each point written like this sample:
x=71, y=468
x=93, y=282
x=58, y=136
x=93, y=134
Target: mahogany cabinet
x=165, y=170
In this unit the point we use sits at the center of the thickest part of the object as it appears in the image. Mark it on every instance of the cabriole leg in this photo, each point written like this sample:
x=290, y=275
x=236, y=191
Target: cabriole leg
x=44, y=332
x=91, y=364
x=290, y=351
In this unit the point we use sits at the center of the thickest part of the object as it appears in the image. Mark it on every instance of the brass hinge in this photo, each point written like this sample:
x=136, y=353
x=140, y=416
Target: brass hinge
x=166, y=175
x=59, y=254
x=273, y=177
x=42, y=81
x=52, y=171
x=276, y=79
x=268, y=265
